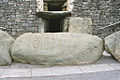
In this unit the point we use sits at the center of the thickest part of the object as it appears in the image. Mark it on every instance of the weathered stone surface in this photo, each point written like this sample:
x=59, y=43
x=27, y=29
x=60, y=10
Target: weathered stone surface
x=65, y=24
x=53, y=14
x=57, y=48
x=5, y=45
x=112, y=45
x=80, y=25
x=102, y=13
x=15, y=13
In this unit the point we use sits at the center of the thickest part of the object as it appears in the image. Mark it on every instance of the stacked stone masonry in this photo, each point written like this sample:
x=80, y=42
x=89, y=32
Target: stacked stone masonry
x=18, y=16
x=102, y=12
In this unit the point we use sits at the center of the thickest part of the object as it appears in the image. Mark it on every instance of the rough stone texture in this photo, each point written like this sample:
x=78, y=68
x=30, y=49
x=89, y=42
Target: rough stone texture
x=70, y=5
x=18, y=16
x=112, y=45
x=57, y=48
x=5, y=45
x=80, y=25
x=107, y=30
x=102, y=12
x=65, y=24
x=40, y=5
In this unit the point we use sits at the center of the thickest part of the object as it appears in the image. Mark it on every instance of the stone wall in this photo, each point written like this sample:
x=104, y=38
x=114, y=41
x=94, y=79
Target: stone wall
x=102, y=12
x=18, y=16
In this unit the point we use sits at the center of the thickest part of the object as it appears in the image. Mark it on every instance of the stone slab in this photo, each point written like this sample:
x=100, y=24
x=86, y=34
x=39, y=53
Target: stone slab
x=80, y=25
x=53, y=14
x=41, y=72
x=86, y=69
x=102, y=67
x=66, y=70
x=16, y=73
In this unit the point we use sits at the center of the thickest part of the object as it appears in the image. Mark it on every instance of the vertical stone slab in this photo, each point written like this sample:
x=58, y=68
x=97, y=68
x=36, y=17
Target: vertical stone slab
x=40, y=5
x=70, y=5
x=41, y=25
x=80, y=25
x=65, y=24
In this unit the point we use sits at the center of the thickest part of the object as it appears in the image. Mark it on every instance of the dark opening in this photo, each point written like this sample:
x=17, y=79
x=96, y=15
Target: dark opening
x=54, y=25
x=54, y=8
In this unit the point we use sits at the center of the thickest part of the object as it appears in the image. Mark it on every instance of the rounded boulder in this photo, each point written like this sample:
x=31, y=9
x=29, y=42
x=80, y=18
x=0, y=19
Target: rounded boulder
x=57, y=48
x=112, y=45
x=5, y=44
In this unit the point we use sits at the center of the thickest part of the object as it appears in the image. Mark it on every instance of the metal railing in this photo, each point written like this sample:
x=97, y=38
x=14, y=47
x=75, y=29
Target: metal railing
x=109, y=29
x=111, y=25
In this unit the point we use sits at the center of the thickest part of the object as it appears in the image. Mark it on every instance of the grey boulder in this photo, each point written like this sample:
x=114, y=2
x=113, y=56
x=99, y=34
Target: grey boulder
x=57, y=48
x=5, y=44
x=112, y=45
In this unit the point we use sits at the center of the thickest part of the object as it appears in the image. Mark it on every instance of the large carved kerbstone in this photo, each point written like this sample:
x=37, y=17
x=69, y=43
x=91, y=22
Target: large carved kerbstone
x=112, y=45
x=80, y=25
x=5, y=44
x=57, y=48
